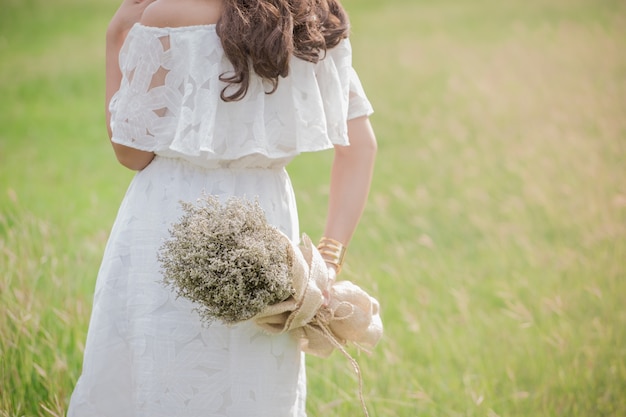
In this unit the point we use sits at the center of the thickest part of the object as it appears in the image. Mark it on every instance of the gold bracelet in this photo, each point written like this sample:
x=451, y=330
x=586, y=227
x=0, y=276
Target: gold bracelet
x=332, y=251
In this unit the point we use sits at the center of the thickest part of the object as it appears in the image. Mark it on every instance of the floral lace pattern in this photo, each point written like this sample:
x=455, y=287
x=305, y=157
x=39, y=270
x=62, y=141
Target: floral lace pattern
x=169, y=100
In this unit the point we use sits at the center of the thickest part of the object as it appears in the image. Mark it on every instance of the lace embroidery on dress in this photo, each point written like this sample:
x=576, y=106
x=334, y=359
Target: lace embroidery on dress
x=169, y=100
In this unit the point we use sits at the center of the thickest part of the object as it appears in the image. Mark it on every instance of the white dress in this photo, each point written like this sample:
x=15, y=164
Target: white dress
x=147, y=354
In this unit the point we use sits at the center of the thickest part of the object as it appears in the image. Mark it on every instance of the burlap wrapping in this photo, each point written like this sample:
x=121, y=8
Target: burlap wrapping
x=352, y=316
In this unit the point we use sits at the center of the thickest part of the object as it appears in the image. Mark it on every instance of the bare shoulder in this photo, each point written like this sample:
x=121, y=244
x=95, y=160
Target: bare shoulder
x=177, y=13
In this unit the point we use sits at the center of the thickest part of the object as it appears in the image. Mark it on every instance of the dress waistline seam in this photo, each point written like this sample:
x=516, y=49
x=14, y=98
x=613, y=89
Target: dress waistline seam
x=192, y=164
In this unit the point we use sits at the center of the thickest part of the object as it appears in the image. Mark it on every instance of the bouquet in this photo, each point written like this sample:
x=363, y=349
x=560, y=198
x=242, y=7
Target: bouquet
x=228, y=260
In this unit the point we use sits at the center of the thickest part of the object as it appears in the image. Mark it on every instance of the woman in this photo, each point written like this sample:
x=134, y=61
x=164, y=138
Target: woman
x=215, y=96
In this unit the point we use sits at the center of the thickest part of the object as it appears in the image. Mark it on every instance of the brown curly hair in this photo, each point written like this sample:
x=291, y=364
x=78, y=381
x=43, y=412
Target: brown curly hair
x=262, y=35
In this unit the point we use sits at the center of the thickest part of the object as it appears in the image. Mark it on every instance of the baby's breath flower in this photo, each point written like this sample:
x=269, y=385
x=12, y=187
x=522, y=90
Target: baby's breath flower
x=227, y=259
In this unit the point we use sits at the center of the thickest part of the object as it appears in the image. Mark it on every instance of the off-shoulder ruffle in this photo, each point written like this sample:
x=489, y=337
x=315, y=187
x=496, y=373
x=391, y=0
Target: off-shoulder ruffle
x=169, y=100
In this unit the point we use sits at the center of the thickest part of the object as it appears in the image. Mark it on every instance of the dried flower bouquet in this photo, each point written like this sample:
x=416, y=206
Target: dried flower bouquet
x=227, y=259
x=235, y=266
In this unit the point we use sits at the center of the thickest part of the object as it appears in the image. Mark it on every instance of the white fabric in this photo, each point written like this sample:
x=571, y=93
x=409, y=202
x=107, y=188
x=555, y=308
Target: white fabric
x=147, y=354
x=169, y=101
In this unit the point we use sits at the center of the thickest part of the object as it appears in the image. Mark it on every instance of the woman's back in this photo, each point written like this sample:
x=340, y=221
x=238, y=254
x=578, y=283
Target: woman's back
x=171, y=102
x=178, y=13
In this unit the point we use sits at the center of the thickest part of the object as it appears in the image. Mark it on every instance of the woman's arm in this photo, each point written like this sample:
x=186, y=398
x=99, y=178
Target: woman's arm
x=350, y=181
x=126, y=16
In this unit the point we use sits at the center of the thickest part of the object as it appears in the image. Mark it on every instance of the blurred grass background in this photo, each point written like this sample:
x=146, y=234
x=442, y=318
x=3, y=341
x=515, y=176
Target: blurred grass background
x=495, y=237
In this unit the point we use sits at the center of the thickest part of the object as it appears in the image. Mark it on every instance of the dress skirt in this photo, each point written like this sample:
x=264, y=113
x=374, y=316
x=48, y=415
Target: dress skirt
x=147, y=352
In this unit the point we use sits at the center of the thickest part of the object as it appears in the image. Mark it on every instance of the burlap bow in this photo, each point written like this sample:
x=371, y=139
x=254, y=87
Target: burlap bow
x=351, y=316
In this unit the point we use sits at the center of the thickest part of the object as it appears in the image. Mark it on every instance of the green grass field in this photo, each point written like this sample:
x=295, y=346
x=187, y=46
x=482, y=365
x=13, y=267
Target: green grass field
x=495, y=237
